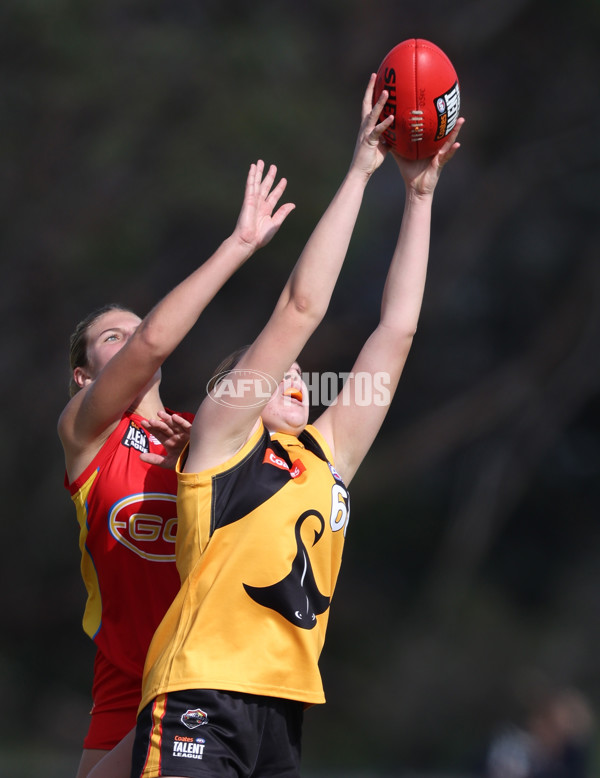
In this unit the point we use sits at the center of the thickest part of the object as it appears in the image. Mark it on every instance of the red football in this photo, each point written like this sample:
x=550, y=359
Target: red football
x=424, y=97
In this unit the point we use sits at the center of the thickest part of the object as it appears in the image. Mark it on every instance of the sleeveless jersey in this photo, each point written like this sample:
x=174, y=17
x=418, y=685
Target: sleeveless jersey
x=259, y=548
x=127, y=512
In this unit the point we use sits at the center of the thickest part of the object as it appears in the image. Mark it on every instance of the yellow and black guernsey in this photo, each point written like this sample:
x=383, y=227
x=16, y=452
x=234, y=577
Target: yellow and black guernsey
x=259, y=547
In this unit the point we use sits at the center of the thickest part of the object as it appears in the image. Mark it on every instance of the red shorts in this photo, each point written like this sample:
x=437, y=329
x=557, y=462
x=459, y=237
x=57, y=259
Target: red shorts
x=116, y=697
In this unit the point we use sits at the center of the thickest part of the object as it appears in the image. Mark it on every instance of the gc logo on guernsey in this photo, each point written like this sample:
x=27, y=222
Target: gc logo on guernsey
x=138, y=523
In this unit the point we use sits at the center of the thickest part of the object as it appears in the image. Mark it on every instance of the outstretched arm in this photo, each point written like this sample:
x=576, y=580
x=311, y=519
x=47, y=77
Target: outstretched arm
x=105, y=397
x=313, y=279
x=219, y=431
x=350, y=427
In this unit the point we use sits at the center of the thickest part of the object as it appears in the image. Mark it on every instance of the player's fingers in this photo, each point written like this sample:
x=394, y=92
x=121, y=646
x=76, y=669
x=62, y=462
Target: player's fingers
x=275, y=195
x=367, y=104
x=183, y=423
x=267, y=181
x=454, y=134
x=152, y=459
x=380, y=128
x=376, y=110
x=250, y=181
x=257, y=178
x=282, y=213
x=451, y=146
x=154, y=424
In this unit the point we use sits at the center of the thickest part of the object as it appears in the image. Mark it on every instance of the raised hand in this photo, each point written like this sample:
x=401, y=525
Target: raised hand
x=370, y=149
x=422, y=175
x=257, y=223
x=173, y=431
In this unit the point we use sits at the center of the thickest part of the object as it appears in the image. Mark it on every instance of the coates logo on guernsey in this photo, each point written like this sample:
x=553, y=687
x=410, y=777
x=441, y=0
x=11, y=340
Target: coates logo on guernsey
x=137, y=522
x=296, y=468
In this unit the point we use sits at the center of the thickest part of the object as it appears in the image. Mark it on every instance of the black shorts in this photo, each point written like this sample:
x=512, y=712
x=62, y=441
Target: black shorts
x=202, y=732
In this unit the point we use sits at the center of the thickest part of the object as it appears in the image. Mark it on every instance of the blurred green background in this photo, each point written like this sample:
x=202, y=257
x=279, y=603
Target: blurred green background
x=471, y=577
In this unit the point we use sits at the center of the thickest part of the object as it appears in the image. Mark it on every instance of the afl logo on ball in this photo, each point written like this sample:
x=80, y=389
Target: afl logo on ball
x=145, y=525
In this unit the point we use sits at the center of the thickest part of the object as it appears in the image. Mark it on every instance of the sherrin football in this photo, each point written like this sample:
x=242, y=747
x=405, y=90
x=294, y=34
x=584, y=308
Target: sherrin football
x=424, y=97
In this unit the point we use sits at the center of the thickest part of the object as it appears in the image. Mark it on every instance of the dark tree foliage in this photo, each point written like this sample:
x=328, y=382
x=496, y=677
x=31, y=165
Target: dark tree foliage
x=126, y=129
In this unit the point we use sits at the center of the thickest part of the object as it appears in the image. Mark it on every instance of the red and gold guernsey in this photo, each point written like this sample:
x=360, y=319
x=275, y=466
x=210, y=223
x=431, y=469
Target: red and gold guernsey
x=259, y=548
x=127, y=515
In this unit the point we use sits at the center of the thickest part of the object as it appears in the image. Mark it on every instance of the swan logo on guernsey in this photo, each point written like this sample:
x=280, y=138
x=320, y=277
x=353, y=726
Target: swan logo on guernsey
x=188, y=747
x=139, y=523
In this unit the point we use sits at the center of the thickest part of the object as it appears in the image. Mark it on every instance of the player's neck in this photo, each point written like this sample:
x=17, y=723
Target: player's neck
x=148, y=404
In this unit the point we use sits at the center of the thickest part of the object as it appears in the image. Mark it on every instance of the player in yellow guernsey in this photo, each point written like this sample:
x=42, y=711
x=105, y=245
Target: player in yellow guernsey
x=263, y=505
x=263, y=533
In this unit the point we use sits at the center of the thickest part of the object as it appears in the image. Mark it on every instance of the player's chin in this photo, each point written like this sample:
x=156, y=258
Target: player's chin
x=298, y=420
x=290, y=421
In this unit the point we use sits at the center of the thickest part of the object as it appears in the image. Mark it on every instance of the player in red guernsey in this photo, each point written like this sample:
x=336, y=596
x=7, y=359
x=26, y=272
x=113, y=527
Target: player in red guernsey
x=125, y=501
x=127, y=516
